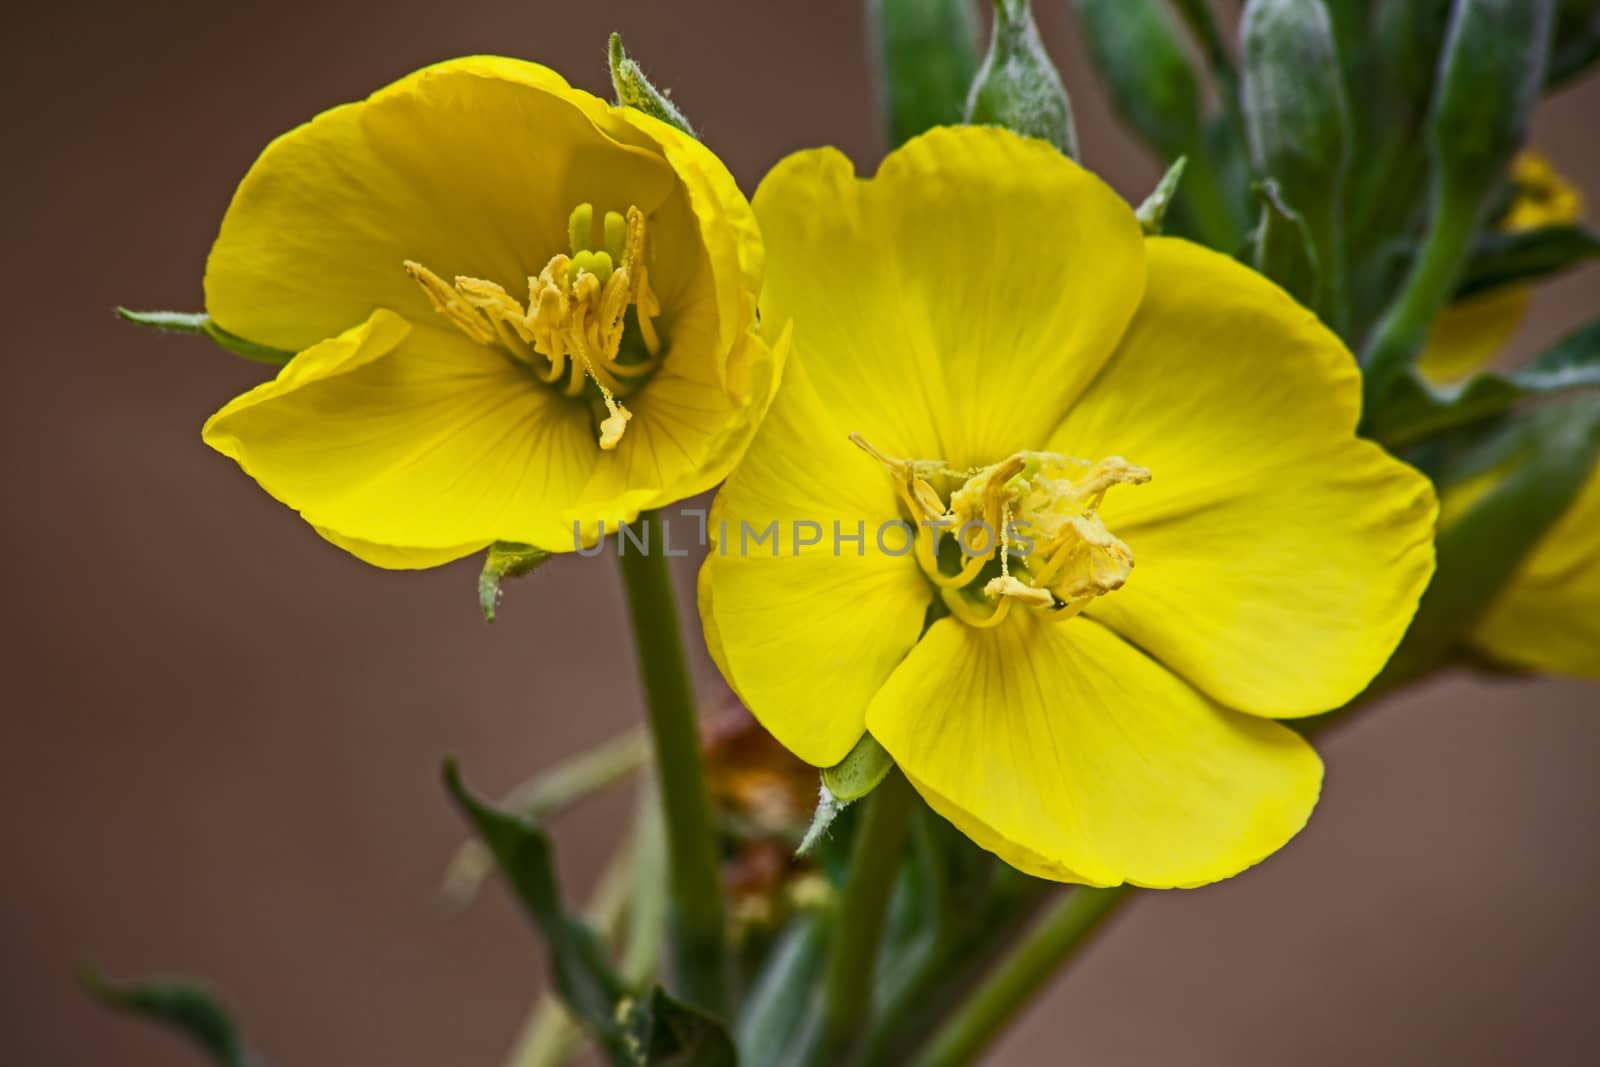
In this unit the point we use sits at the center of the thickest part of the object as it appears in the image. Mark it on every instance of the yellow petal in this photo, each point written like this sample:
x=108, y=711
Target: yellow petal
x=1072, y=755
x=805, y=637
x=1278, y=558
x=953, y=305
x=686, y=434
x=413, y=439
x=1548, y=617
x=395, y=558
x=469, y=166
x=1469, y=334
x=727, y=227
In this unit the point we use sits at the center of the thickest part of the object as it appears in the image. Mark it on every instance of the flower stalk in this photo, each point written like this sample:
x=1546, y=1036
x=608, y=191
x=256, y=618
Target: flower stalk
x=874, y=862
x=698, y=929
x=1021, y=976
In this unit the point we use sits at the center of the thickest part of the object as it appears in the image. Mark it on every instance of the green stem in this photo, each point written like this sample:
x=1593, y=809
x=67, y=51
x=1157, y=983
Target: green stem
x=1020, y=976
x=874, y=862
x=1400, y=335
x=699, y=947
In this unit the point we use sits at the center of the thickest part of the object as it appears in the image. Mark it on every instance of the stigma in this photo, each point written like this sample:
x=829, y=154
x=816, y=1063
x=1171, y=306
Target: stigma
x=572, y=329
x=1025, y=531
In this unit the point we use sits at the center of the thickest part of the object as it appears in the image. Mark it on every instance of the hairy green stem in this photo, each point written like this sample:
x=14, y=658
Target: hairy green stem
x=698, y=929
x=1400, y=335
x=874, y=862
x=1020, y=976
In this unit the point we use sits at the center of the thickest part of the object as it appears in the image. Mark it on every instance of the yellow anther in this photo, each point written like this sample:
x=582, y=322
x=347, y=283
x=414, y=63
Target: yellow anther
x=1006, y=585
x=447, y=302
x=1040, y=505
x=572, y=329
x=612, y=426
x=580, y=228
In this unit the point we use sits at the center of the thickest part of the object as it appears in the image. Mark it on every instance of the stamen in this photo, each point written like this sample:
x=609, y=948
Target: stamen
x=572, y=330
x=1069, y=557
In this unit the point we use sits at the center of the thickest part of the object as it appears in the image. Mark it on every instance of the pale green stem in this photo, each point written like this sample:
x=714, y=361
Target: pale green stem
x=874, y=863
x=698, y=931
x=1020, y=976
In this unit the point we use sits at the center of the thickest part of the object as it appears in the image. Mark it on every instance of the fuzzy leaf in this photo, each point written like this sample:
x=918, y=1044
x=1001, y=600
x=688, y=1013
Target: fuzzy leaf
x=1415, y=410
x=1509, y=258
x=186, y=1008
x=581, y=974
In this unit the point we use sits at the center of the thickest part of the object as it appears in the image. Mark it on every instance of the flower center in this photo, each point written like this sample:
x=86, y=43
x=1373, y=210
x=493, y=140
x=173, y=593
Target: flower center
x=1025, y=530
x=574, y=330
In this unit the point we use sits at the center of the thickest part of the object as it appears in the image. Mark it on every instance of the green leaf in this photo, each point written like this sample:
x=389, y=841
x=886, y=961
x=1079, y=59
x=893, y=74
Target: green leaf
x=581, y=974
x=1414, y=410
x=1018, y=87
x=1153, y=211
x=663, y=1032
x=1281, y=247
x=505, y=559
x=184, y=1007
x=1547, y=455
x=924, y=56
x=782, y=1003
x=635, y=90
x=1499, y=259
x=1143, y=62
x=198, y=322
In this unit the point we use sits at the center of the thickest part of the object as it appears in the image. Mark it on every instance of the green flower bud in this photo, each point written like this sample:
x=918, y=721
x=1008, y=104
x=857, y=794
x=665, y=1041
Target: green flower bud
x=634, y=90
x=1137, y=50
x=1018, y=87
x=1298, y=124
x=1489, y=80
x=925, y=54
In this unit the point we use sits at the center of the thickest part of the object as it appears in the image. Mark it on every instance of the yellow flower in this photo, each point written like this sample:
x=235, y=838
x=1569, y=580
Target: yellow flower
x=1471, y=332
x=592, y=353
x=982, y=336
x=1547, y=616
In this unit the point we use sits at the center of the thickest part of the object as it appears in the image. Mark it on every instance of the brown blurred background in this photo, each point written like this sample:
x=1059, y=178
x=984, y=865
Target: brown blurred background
x=220, y=739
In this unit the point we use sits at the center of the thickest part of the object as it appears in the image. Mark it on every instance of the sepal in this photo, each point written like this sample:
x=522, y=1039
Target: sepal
x=198, y=322
x=634, y=90
x=861, y=771
x=1153, y=211
x=505, y=559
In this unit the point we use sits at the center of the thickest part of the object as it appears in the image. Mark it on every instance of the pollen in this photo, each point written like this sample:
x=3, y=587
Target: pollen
x=1024, y=531
x=571, y=330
